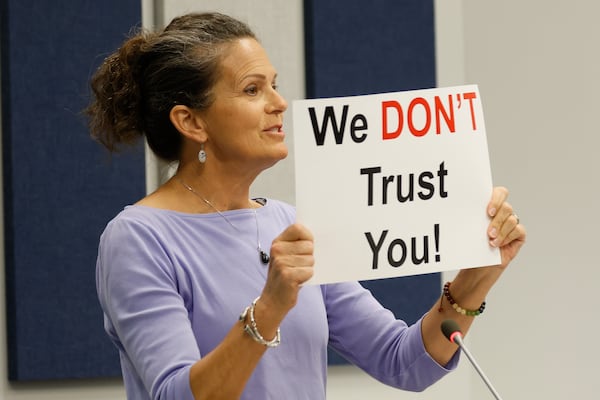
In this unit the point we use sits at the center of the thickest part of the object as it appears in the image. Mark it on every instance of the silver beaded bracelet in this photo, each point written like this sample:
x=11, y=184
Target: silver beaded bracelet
x=252, y=329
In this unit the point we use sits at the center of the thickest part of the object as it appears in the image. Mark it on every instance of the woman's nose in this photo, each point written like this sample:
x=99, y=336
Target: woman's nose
x=276, y=103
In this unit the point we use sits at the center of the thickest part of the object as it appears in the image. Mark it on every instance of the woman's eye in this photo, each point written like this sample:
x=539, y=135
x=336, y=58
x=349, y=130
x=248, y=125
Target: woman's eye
x=251, y=90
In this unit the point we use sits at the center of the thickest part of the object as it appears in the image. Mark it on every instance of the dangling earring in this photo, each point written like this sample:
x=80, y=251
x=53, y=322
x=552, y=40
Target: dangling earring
x=202, y=154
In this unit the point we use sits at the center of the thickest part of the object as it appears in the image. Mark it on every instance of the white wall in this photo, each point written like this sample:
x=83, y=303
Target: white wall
x=536, y=63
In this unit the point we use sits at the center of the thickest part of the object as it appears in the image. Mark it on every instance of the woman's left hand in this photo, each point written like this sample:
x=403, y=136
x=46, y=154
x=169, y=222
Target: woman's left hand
x=471, y=285
x=505, y=230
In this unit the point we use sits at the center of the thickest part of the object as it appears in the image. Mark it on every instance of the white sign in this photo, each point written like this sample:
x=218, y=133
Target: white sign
x=394, y=184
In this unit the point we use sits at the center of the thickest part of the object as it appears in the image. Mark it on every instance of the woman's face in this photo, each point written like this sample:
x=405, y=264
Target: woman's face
x=244, y=123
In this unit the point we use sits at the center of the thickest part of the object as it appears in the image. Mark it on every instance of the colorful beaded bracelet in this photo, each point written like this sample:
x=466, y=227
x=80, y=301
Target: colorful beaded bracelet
x=457, y=308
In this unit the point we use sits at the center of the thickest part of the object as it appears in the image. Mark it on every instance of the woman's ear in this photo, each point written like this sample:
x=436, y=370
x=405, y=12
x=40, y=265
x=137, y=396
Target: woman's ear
x=188, y=123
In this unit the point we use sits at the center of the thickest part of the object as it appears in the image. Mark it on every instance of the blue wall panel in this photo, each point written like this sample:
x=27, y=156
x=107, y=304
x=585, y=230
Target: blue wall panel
x=355, y=47
x=60, y=187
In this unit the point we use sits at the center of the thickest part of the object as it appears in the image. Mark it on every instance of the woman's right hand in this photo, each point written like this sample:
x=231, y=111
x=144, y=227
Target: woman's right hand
x=238, y=354
x=291, y=266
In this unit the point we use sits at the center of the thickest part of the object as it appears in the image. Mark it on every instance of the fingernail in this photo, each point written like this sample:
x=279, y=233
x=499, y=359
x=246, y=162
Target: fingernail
x=494, y=243
x=492, y=212
x=493, y=233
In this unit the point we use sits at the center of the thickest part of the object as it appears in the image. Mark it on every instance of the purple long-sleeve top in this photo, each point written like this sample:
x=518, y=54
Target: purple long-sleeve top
x=173, y=284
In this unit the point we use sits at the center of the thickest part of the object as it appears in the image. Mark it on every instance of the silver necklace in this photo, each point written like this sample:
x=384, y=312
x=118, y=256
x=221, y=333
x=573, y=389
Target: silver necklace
x=264, y=257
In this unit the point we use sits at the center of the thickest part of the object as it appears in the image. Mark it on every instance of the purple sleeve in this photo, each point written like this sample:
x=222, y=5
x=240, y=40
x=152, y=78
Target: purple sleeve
x=145, y=313
x=369, y=336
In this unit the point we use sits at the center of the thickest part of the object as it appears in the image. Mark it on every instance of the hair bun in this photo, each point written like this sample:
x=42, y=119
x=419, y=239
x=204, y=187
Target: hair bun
x=115, y=113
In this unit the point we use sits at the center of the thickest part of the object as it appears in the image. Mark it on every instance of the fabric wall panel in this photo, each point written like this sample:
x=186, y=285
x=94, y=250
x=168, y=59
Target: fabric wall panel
x=356, y=47
x=60, y=188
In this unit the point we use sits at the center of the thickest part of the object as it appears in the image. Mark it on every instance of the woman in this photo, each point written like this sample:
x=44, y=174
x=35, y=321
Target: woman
x=201, y=286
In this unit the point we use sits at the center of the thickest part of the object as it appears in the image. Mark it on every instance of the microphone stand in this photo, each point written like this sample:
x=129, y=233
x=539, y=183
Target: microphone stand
x=458, y=340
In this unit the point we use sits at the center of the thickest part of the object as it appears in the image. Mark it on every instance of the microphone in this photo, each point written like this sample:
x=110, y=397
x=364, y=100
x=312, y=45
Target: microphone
x=452, y=332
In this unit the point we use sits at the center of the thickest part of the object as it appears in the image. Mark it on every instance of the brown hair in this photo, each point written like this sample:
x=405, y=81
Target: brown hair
x=136, y=87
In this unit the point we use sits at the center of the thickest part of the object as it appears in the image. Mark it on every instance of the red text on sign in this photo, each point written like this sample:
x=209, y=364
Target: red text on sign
x=421, y=113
